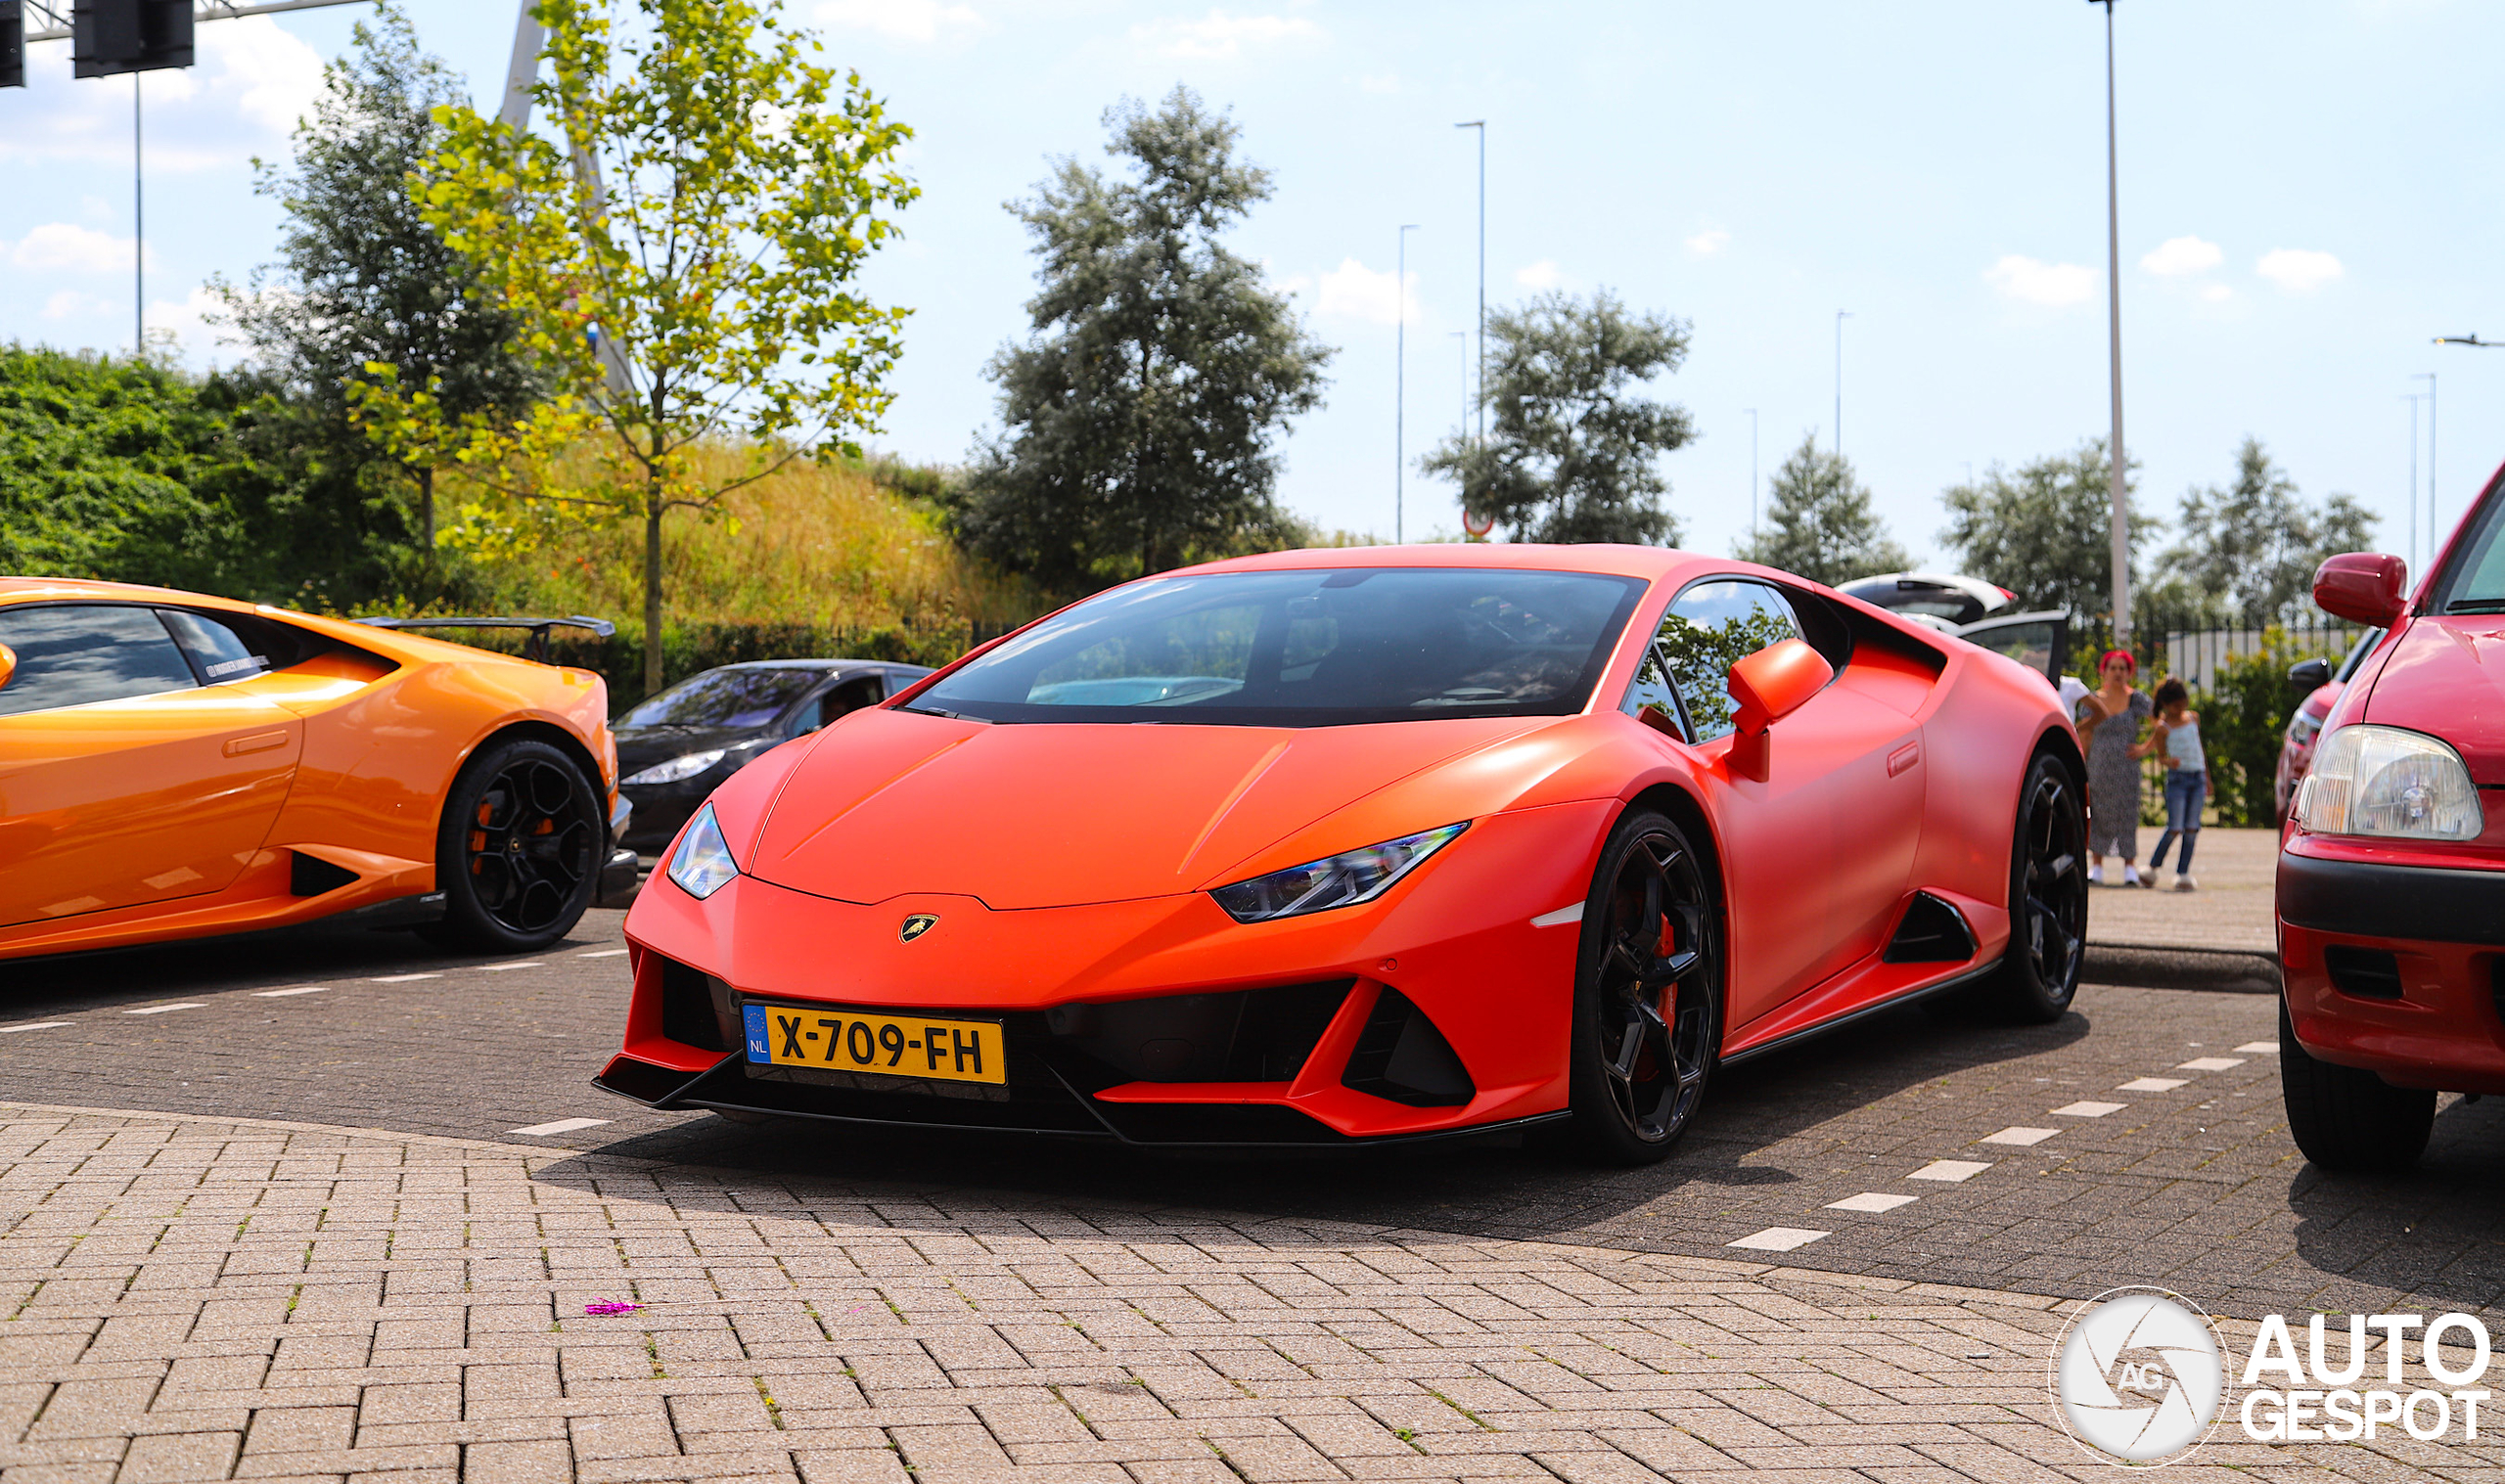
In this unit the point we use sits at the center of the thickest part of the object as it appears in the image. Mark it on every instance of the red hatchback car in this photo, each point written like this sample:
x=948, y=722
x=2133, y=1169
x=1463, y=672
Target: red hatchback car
x=2391, y=864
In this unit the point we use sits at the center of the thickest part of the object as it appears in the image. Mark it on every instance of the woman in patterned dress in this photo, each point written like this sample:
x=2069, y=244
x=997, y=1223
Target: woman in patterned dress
x=2109, y=726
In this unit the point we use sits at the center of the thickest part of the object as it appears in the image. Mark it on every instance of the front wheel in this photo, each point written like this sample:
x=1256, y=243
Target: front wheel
x=518, y=855
x=1647, y=993
x=2344, y=1118
x=2038, y=975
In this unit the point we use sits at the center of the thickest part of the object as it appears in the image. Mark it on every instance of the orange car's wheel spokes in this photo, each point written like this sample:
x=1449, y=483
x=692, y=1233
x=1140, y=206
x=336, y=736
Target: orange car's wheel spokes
x=1660, y=991
x=2051, y=914
x=534, y=845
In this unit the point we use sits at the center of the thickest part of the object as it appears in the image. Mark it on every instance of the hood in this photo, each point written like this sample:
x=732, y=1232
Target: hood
x=639, y=747
x=2446, y=678
x=889, y=802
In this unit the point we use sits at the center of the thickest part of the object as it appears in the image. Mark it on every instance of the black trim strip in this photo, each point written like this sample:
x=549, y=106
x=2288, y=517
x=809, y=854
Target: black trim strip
x=2368, y=900
x=1892, y=1001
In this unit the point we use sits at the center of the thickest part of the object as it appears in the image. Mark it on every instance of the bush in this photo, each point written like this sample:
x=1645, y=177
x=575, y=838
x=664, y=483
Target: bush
x=687, y=650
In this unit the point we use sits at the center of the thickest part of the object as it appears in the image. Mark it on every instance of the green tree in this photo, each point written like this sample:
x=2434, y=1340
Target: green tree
x=2252, y=544
x=1140, y=414
x=2043, y=531
x=1573, y=454
x=97, y=461
x=363, y=280
x=685, y=261
x=1823, y=527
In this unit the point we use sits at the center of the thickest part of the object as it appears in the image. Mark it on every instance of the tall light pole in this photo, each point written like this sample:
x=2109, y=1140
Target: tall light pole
x=1480, y=124
x=1841, y=315
x=2429, y=378
x=2114, y=298
x=1400, y=381
x=1753, y=476
x=2413, y=398
x=138, y=237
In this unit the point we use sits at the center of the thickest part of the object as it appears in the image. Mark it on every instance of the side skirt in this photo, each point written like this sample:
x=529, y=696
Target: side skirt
x=1954, y=982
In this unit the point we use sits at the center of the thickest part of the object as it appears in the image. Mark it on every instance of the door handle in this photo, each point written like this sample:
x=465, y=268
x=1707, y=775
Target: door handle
x=258, y=742
x=1904, y=757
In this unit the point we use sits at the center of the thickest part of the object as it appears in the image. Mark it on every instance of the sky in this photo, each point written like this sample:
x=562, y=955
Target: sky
x=2309, y=194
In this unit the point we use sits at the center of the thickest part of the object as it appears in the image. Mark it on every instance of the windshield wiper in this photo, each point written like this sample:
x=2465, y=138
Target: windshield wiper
x=936, y=711
x=2477, y=605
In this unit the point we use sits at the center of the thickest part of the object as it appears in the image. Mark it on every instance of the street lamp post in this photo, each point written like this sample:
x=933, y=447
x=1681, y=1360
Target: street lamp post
x=2429, y=378
x=2413, y=398
x=1400, y=381
x=1480, y=124
x=1753, y=476
x=2122, y=533
x=1841, y=315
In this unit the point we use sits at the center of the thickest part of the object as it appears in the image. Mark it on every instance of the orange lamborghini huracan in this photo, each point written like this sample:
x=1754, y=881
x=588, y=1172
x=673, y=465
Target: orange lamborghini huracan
x=173, y=765
x=1329, y=848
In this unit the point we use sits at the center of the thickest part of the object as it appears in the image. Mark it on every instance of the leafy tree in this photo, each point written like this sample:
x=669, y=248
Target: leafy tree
x=2044, y=531
x=362, y=280
x=1140, y=413
x=685, y=262
x=97, y=460
x=2252, y=544
x=1572, y=455
x=1823, y=527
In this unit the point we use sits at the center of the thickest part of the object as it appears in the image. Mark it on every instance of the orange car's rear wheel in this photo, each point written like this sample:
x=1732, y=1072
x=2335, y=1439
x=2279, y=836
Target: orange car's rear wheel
x=519, y=855
x=1647, y=993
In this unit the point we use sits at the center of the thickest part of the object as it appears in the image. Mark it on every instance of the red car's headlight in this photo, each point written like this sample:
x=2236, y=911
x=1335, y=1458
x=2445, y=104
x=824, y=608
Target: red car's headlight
x=2386, y=782
x=1340, y=880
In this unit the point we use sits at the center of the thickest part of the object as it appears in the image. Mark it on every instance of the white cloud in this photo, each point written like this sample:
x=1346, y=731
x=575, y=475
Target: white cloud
x=2217, y=294
x=188, y=323
x=1708, y=242
x=1220, y=36
x=252, y=82
x=1352, y=291
x=275, y=76
x=2299, y=270
x=70, y=303
x=1379, y=82
x=2178, y=256
x=2056, y=286
x=62, y=244
x=920, y=21
x=1540, y=276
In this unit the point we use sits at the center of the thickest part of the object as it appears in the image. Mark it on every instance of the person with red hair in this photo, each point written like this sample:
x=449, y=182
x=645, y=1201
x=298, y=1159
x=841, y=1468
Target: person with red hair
x=2109, y=728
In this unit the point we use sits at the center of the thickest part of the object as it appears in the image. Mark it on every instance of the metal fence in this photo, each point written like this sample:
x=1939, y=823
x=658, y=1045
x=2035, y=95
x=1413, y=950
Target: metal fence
x=2199, y=655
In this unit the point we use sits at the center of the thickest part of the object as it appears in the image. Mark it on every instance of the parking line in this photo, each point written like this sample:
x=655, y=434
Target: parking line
x=1778, y=1239
x=2260, y=1048
x=1951, y=1170
x=497, y=968
x=2023, y=1137
x=34, y=1026
x=2151, y=1085
x=561, y=1126
x=159, y=1010
x=281, y=994
x=2208, y=1064
x=1871, y=1200
x=2089, y=1109
x=601, y=953
x=400, y=978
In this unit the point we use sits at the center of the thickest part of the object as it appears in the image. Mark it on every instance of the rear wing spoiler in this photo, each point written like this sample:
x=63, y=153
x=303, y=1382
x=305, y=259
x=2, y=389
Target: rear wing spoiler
x=536, y=647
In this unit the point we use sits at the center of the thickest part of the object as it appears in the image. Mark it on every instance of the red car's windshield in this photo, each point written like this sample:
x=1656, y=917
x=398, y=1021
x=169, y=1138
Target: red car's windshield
x=1307, y=649
x=2473, y=580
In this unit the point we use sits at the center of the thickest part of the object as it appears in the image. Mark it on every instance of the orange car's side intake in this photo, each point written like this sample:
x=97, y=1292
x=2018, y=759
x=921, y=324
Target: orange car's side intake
x=189, y=812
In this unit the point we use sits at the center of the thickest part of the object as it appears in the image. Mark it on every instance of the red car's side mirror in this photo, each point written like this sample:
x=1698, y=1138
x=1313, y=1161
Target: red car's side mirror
x=1770, y=686
x=2363, y=587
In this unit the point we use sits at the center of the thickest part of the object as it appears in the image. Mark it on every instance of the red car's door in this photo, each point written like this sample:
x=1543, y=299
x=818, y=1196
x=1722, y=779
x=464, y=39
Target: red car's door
x=1817, y=856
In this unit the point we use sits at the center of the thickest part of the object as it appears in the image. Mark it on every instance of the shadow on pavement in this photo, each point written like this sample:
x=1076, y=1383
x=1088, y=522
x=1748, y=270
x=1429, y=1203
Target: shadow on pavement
x=2436, y=1231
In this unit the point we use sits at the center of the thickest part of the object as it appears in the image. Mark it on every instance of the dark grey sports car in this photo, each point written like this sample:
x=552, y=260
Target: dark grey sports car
x=676, y=747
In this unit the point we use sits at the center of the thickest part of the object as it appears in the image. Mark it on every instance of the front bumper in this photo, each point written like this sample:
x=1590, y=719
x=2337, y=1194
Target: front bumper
x=2397, y=968
x=1444, y=1011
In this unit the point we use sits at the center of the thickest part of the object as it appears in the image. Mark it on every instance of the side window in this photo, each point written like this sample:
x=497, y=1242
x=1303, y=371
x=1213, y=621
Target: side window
x=1652, y=693
x=1711, y=627
x=848, y=698
x=216, y=652
x=76, y=655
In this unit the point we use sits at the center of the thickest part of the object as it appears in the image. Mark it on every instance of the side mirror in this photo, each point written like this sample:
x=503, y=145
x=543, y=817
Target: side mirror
x=1770, y=686
x=2309, y=675
x=2362, y=588
x=8, y=663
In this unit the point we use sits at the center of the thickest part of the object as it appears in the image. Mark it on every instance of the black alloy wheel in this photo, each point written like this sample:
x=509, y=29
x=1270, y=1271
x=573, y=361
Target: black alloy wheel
x=519, y=853
x=1647, y=993
x=2047, y=898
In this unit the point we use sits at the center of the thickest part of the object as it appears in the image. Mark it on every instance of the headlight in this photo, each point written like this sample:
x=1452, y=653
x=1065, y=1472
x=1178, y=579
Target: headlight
x=2382, y=781
x=702, y=865
x=679, y=767
x=2301, y=728
x=1341, y=880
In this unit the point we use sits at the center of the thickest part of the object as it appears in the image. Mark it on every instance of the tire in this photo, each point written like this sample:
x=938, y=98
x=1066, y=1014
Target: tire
x=1647, y=1025
x=2039, y=972
x=2347, y=1119
x=518, y=854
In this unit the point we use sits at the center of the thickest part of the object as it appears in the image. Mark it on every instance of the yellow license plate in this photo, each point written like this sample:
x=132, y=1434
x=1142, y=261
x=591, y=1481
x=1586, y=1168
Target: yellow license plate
x=895, y=1046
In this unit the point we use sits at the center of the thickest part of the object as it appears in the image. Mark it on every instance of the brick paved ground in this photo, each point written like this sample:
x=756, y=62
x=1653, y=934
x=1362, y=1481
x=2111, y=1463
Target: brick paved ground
x=196, y=1299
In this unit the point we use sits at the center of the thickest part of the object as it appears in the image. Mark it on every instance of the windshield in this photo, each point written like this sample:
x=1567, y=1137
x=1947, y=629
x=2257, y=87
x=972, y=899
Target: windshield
x=726, y=698
x=1307, y=649
x=2474, y=581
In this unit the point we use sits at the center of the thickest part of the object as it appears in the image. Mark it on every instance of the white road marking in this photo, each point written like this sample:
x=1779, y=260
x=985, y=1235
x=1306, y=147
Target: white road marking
x=1778, y=1239
x=1559, y=918
x=2089, y=1109
x=561, y=1126
x=33, y=1025
x=2023, y=1137
x=497, y=968
x=2151, y=1085
x=2260, y=1048
x=281, y=994
x=159, y=1010
x=1872, y=1200
x=601, y=953
x=401, y=979
x=2208, y=1064
x=1950, y=1170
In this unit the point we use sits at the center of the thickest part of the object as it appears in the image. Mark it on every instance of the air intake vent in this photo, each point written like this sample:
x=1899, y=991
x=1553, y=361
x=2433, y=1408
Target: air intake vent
x=2370, y=974
x=310, y=876
x=695, y=1008
x=1932, y=932
x=1401, y=1055
x=1243, y=1035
